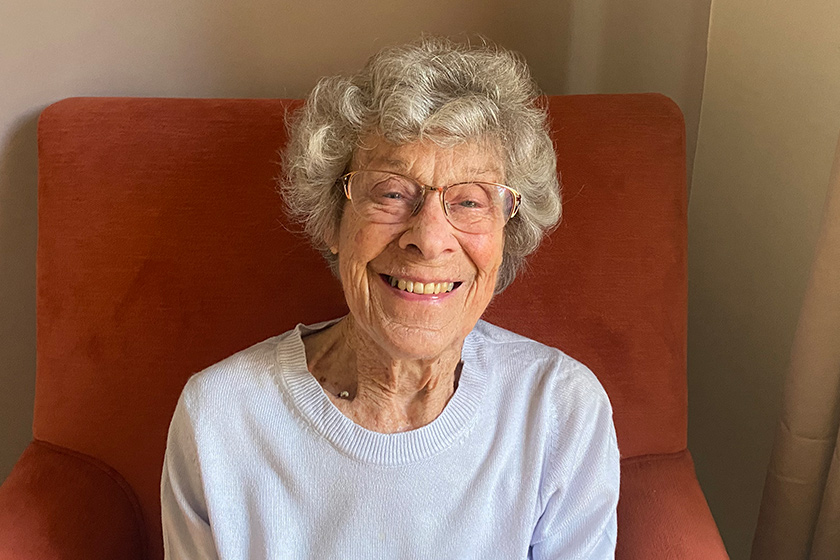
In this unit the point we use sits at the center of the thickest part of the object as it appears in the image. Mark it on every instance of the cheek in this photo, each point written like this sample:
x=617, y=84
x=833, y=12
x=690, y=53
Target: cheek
x=352, y=262
x=487, y=256
x=351, y=245
x=359, y=244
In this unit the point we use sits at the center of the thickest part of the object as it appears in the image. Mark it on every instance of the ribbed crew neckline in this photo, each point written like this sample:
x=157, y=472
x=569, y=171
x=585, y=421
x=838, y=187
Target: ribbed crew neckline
x=357, y=442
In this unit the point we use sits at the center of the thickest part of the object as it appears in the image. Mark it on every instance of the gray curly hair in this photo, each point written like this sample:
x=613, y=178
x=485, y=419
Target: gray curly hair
x=432, y=89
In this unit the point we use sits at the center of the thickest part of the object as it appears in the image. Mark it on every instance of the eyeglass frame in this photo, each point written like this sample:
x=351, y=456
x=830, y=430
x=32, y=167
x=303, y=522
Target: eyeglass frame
x=517, y=196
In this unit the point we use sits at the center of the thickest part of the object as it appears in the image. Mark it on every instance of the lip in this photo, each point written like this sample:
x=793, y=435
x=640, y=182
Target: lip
x=411, y=296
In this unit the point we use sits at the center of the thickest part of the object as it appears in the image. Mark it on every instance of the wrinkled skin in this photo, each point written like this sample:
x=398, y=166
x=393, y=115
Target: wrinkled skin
x=397, y=354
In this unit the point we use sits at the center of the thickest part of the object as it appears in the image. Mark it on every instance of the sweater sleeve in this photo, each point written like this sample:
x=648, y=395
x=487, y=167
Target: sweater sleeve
x=579, y=521
x=186, y=528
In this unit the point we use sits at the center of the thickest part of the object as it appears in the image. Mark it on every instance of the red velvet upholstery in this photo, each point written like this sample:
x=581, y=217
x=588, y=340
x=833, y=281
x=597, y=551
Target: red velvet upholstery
x=63, y=504
x=662, y=512
x=163, y=248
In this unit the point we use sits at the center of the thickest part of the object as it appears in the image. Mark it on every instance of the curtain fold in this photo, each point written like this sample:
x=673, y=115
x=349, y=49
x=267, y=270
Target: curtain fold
x=827, y=534
x=800, y=509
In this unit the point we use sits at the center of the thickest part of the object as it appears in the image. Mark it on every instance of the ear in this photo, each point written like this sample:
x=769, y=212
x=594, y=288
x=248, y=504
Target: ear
x=331, y=241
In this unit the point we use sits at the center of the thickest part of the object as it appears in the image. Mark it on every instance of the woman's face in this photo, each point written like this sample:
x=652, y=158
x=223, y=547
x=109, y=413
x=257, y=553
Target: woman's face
x=425, y=249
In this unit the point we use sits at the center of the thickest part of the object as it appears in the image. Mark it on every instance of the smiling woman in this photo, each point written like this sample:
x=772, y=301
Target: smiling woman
x=408, y=428
x=423, y=248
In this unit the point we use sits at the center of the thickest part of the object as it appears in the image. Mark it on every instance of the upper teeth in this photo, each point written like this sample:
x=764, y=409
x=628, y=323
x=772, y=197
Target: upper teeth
x=420, y=287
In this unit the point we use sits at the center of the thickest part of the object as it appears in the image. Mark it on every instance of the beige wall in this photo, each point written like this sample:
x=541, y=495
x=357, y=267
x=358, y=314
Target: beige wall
x=614, y=46
x=770, y=119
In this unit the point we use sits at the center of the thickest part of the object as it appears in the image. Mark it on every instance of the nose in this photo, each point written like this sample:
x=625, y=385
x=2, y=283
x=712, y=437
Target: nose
x=428, y=230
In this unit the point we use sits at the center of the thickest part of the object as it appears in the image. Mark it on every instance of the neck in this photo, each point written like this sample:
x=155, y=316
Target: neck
x=372, y=388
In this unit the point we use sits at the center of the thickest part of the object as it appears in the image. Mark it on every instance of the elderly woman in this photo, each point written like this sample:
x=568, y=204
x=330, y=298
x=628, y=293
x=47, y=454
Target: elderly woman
x=408, y=429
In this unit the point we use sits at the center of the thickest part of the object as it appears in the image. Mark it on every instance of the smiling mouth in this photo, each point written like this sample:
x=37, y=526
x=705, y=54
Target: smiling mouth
x=419, y=287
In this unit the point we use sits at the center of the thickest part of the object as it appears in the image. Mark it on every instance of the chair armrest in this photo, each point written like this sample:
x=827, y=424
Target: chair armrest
x=58, y=504
x=662, y=512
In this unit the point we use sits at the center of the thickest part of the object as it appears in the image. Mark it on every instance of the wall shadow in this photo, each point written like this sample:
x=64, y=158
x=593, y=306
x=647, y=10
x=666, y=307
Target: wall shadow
x=18, y=242
x=541, y=32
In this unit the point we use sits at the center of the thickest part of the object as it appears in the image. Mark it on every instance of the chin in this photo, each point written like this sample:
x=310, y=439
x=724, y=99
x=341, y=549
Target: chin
x=418, y=343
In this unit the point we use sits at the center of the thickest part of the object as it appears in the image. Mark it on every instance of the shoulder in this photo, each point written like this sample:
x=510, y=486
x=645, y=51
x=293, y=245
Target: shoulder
x=232, y=379
x=513, y=355
x=567, y=410
x=549, y=384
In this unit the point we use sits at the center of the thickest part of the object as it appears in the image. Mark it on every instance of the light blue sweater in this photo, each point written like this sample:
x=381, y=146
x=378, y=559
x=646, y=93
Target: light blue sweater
x=521, y=463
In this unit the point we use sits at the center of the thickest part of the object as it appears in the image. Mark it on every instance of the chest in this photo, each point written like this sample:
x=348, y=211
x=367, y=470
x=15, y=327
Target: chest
x=478, y=499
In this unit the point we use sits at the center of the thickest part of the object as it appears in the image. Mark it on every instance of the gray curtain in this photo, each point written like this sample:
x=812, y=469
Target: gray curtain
x=800, y=508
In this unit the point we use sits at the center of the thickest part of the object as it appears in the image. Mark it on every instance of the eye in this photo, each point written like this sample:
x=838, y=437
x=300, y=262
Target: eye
x=392, y=195
x=392, y=188
x=469, y=204
x=469, y=196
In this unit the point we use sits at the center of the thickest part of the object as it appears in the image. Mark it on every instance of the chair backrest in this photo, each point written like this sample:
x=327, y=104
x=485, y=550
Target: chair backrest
x=163, y=248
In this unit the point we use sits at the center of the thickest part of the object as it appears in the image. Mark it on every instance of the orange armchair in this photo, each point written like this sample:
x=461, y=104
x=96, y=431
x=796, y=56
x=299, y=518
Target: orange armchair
x=163, y=248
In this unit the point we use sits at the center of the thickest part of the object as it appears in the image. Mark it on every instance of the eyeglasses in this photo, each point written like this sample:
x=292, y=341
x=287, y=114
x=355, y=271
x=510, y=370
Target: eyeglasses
x=384, y=197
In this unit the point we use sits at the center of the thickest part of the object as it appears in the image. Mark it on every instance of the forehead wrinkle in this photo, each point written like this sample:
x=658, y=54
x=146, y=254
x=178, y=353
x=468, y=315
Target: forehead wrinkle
x=397, y=165
x=403, y=167
x=383, y=156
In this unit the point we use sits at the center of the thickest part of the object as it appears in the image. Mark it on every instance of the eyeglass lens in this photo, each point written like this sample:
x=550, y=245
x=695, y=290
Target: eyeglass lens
x=384, y=197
